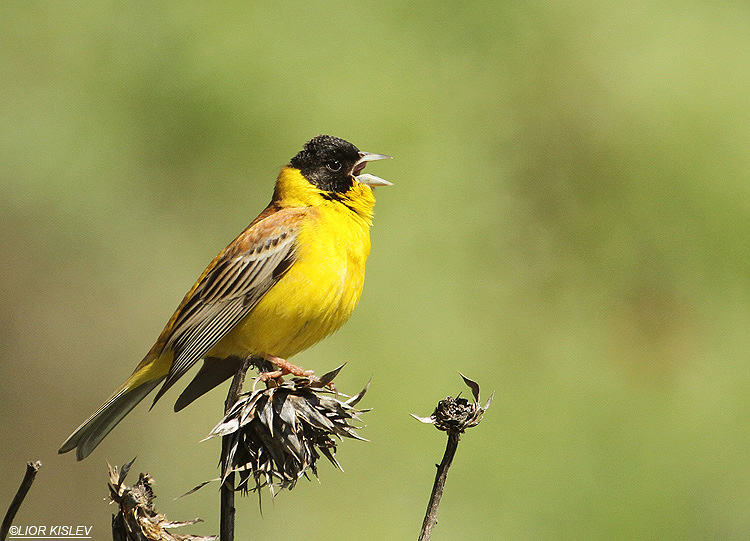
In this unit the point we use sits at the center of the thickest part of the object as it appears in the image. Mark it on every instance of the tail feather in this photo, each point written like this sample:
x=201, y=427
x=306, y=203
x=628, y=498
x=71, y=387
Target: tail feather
x=86, y=437
x=214, y=372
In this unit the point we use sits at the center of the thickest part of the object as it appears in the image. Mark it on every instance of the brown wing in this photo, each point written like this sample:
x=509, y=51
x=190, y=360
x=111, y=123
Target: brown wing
x=229, y=289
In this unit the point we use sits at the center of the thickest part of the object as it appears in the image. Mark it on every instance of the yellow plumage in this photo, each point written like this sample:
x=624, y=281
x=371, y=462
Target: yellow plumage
x=320, y=291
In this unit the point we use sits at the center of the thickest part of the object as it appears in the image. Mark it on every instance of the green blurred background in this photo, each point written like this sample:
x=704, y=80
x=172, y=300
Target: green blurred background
x=567, y=227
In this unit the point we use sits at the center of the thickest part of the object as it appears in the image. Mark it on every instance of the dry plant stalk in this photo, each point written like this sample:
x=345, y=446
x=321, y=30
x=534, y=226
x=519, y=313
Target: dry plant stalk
x=15, y=505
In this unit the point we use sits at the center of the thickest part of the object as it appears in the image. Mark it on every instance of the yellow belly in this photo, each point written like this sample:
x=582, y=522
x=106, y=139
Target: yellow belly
x=316, y=295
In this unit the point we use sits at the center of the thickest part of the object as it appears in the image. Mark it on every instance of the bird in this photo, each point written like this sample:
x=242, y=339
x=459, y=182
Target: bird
x=290, y=279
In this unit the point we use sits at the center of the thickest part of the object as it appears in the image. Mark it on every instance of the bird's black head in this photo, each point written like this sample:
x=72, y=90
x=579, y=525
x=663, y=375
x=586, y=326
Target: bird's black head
x=327, y=162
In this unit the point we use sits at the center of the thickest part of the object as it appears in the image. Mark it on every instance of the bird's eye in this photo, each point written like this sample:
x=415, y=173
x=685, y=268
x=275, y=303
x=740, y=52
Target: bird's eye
x=334, y=165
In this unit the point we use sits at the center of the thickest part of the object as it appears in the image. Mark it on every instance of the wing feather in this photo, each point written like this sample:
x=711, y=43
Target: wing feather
x=229, y=289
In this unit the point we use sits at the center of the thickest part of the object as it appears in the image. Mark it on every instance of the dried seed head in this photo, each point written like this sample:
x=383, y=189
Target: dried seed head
x=457, y=414
x=137, y=519
x=278, y=434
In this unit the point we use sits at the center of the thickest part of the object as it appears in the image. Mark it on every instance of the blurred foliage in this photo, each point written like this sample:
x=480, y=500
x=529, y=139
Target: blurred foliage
x=567, y=227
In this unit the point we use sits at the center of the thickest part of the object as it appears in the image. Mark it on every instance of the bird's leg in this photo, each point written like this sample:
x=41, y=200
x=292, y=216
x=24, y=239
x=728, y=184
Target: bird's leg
x=286, y=368
x=266, y=373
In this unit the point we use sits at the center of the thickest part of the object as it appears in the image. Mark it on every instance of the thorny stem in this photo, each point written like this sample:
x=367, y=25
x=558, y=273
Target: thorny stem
x=226, y=526
x=23, y=489
x=430, y=518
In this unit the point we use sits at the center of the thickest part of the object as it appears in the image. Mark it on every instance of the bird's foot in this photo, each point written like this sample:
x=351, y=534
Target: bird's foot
x=287, y=368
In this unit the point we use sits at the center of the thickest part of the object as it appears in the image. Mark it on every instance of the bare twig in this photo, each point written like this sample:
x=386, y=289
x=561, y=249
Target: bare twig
x=430, y=518
x=28, y=479
x=226, y=526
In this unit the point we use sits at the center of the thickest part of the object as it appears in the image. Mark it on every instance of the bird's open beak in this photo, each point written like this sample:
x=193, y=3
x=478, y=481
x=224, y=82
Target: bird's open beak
x=366, y=178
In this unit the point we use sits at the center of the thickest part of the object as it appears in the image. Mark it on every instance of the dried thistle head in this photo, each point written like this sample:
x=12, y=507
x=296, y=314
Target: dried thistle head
x=137, y=519
x=277, y=434
x=457, y=414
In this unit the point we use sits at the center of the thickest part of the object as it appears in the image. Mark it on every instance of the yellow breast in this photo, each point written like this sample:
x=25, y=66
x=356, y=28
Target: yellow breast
x=316, y=295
